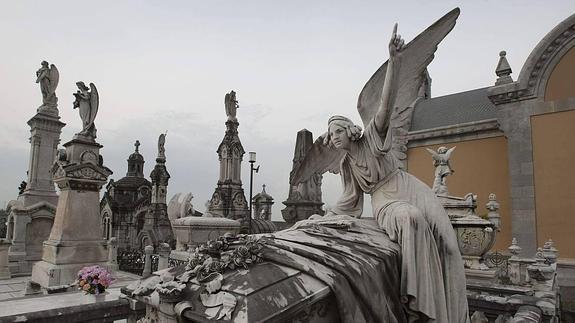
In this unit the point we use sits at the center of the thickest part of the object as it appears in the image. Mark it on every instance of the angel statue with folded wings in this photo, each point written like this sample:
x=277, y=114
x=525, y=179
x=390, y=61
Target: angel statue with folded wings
x=87, y=101
x=48, y=76
x=432, y=279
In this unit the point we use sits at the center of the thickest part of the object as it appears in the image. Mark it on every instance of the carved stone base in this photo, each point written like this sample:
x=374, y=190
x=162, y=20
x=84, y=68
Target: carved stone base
x=49, y=275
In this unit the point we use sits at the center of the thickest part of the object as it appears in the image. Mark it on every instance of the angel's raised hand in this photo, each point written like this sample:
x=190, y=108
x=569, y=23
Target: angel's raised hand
x=396, y=43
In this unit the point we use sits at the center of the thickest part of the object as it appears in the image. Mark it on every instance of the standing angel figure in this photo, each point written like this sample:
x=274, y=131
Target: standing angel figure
x=48, y=78
x=432, y=287
x=442, y=169
x=161, y=148
x=231, y=105
x=87, y=101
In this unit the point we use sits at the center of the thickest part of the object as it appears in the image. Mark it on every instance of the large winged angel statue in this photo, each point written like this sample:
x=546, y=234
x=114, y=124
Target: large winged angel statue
x=87, y=101
x=432, y=280
x=48, y=76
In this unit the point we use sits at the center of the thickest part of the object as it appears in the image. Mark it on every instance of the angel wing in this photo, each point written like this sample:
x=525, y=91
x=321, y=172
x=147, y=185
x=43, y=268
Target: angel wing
x=174, y=207
x=94, y=102
x=433, y=153
x=448, y=152
x=54, y=77
x=415, y=58
x=319, y=159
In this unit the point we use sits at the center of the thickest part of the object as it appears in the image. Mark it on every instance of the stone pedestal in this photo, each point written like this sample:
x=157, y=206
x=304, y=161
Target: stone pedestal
x=76, y=238
x=32, y=214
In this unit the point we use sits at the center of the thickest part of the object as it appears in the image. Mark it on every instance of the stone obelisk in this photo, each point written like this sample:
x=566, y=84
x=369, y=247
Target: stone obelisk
x=76, y=238
x=32, y=214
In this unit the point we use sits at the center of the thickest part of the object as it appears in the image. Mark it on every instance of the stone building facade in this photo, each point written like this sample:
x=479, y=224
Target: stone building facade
x=125, y=203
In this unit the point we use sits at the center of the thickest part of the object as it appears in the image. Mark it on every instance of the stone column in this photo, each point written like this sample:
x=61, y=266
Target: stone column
x=4, y=269
x=113, y=254
x=148, y=250
x=164, y=254
x=76, y=237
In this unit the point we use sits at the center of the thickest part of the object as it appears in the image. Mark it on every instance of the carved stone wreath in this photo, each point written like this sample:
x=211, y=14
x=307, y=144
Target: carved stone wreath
x=224, y=253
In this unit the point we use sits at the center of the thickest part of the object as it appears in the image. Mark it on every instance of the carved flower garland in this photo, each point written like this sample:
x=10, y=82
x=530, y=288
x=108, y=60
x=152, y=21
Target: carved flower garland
x=226, y=252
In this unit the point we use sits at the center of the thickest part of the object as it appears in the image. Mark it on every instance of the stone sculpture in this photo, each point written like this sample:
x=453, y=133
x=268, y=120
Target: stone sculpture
x=442, y=169
x=161, y=149
x=432, y=276
x=48, y=78
x=231, y=105
x=87, y=102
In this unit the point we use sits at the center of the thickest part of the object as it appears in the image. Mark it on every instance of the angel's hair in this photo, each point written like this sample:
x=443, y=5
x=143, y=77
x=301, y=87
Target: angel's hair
x=353, y=130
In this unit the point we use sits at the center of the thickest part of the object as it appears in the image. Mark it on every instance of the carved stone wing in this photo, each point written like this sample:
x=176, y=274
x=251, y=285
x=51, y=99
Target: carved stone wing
x=54, y=77
x=448, y=152
x=94, y=102
x=414, y=60
x=174, y=207
x=319, y=159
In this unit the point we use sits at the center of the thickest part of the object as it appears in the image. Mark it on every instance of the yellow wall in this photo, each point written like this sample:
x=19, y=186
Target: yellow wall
x=561, y=83
x=481, y=168
x=554, y=174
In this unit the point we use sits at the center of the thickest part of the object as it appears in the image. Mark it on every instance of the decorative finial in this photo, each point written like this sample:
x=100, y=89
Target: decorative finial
x=514, y=249
x=493, y=215
x=264, y=188
x=503, y=70
x=137, y=145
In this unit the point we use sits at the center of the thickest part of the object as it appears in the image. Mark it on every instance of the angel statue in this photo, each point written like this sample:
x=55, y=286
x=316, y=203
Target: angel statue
x=442, y=169
x=432, y=280
x=161, y=148
x=231, y=105
x=48, y=78
x=87, y=101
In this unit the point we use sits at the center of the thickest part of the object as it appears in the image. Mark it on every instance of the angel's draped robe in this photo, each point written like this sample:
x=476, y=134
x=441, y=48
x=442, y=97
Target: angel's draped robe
x=432, y=272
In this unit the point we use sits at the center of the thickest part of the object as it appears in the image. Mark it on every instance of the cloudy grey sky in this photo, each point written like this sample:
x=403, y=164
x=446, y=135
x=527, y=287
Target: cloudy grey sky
x=166, y=65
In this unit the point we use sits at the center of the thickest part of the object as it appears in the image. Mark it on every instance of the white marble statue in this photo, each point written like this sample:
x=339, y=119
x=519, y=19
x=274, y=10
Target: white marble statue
x=87, y=101
x=231, y=105
x=442, y=169
x=48, y=77
x=432, y=273
x=161, y=148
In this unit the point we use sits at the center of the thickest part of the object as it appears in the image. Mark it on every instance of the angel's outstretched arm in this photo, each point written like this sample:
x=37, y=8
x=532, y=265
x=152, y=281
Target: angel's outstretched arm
x=389, y=90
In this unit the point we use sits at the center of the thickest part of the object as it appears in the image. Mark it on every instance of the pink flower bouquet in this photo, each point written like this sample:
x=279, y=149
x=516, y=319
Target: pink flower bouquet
x=94, y=279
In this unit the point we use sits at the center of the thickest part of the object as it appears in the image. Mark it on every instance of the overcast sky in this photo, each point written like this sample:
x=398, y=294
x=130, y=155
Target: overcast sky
x=166, y=66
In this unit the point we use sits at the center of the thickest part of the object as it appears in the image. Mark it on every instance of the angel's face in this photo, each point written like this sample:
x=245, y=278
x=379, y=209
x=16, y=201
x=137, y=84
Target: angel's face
x=338, y=137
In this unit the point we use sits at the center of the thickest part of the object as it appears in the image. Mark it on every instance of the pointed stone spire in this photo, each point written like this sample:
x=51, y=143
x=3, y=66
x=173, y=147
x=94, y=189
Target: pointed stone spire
x=503, y=70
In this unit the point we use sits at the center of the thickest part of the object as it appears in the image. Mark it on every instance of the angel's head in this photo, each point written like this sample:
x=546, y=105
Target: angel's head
x=442, y=150
x=44, y=64
x=341, y=132
x=82, y=86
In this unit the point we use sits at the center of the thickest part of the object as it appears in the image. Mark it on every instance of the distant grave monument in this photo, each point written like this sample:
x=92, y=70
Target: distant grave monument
x=228, y=199
x=304, y=199
x=32, y=214
x=157, y=228
x=76, y=239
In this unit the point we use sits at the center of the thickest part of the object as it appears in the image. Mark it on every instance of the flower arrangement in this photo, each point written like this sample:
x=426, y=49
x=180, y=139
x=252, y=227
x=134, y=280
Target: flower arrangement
x=94, y=279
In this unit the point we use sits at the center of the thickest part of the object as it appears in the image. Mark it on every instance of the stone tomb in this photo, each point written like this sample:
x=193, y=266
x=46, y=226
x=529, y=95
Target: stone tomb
x=76, y=238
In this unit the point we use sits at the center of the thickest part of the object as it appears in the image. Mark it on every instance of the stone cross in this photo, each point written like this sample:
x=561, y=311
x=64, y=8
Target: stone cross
x=137, y=145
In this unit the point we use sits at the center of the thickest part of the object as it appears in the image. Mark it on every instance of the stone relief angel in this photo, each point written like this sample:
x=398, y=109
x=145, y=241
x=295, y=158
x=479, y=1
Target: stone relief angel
x=442, y=168
x=87, y=101
x=48, y=77
x=369, y=162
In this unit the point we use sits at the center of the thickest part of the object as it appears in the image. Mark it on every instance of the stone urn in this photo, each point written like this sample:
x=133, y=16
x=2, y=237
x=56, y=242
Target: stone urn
x=475, y=235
